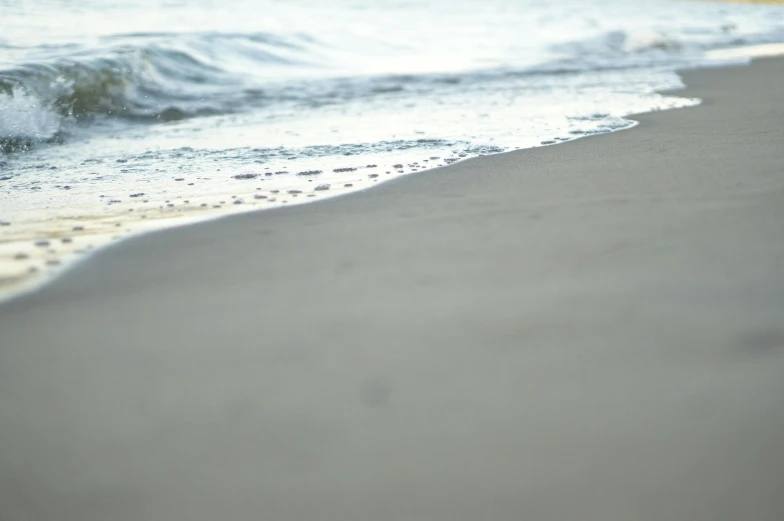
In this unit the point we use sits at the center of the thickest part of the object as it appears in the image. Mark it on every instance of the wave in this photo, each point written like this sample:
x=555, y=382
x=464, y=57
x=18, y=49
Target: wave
x=166, y=79
x=159, y=77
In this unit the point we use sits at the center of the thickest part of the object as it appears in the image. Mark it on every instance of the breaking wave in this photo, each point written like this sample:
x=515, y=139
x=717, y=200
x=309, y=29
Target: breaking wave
x=151, y=83
x=142, y=78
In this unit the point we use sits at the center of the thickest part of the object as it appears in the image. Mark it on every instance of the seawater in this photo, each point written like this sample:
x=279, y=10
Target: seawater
x=118, y=116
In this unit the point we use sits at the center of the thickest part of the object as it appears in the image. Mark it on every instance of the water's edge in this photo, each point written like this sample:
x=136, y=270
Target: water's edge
x=740, y=58
x=65, y=268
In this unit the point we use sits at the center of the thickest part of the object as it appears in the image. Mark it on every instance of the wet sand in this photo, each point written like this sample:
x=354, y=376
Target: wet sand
x=591, y=331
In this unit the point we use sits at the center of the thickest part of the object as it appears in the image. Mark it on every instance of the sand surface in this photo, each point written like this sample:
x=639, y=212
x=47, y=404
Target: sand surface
x=584, y=332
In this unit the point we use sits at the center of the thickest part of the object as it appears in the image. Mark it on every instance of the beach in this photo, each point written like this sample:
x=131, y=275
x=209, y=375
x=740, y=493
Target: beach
x=114, y=123
x=587, y=331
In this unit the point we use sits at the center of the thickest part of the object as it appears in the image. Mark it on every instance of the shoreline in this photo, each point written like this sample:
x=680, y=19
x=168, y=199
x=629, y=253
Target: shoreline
x=584, y=331
x=26, y=267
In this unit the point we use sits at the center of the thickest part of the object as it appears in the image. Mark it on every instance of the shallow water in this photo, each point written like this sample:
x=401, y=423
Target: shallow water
x=117, y=117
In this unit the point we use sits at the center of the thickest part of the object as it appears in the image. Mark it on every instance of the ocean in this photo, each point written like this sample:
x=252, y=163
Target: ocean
x=118, y=117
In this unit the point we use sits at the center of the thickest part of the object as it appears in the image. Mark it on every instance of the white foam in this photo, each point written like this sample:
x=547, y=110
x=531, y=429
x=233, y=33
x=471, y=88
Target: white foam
x=23, y=117
x=649, y=40
x=748, y=52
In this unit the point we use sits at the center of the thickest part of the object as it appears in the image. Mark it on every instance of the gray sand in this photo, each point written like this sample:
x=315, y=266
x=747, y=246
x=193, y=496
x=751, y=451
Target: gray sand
x=585, y=332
